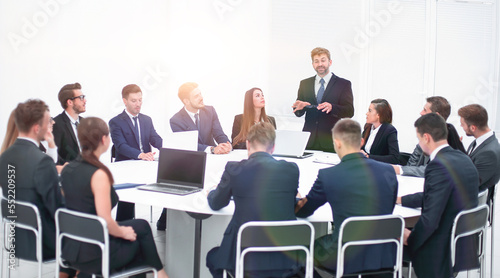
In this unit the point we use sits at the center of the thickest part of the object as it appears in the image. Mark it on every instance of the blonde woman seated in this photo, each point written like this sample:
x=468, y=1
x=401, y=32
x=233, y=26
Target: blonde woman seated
x=254, y=111
x=88, y=188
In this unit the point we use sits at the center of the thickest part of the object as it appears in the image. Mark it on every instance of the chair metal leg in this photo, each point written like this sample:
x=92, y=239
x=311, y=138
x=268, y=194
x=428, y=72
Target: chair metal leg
x=410, y=267
x=151, y=214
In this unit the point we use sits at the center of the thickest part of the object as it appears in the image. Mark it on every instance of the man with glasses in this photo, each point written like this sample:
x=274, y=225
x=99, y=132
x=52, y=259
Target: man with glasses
x=73, y=102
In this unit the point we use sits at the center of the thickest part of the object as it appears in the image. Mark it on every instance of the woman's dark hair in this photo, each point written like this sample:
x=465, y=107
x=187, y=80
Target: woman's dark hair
x=90, y=133
x=249, y=117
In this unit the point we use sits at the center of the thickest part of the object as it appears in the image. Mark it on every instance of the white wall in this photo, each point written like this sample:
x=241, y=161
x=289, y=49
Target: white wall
x=403, y=51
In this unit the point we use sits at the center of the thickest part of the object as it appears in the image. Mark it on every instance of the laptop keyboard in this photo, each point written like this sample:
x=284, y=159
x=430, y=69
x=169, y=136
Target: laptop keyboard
x=169, y=188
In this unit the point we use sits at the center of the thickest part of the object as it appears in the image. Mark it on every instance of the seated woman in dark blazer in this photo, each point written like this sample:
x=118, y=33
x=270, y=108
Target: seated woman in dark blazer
x=254, y=111
x=88, y=188
x=380, y=138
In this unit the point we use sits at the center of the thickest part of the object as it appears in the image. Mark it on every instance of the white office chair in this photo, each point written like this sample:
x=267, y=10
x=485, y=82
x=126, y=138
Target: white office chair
x=467, y=223
x=274, y=236
x=27, y=217
x=91, y=229
x=379, y=229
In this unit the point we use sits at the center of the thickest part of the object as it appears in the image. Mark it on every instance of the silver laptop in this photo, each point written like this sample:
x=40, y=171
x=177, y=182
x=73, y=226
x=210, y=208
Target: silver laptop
x=291, y=143
x=180, y=172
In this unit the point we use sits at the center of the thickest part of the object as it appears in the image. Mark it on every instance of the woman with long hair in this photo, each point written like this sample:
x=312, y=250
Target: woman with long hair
x=88, y=188
x=254, y=111
x=380, y=137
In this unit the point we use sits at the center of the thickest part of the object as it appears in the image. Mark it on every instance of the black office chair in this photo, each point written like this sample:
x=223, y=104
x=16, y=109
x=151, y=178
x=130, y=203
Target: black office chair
x=113, y=154
x=91, y=229
x=403, y=158
x=274, y=236
x=23, y=216
x=382, y=229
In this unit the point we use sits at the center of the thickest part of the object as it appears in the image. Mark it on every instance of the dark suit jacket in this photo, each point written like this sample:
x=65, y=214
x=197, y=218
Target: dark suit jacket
x=486, y=158
x=123, y=135
x=263, y=189
x=209, y=124
x=451, y=185
x=357, y=186
x=36, y=181
x=238, y=119
x=418, y=160
x=385, y=147
x=338, y=93
x=454, y=139
x=65, y=139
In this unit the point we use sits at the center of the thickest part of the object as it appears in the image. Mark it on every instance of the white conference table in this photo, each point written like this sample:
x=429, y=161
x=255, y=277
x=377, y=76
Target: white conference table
x=182, y=228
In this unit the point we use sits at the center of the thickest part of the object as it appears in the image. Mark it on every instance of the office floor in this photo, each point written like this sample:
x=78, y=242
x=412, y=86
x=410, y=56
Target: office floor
x=26, y=269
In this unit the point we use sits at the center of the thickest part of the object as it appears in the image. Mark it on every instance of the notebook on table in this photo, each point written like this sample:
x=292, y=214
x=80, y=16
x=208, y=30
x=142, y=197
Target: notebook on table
x=180, y=172
x=290, y=143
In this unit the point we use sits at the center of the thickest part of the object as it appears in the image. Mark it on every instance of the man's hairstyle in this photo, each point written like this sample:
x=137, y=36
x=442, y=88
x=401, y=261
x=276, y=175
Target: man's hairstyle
x=474, y=114
x=320, y=51
x=383, y=109
x=440, y=105
x=130, y=89
x=348, y=131
x=433, y=124
x=67, y=92
x=262, y=133
x=29, y=113
x=185, y=89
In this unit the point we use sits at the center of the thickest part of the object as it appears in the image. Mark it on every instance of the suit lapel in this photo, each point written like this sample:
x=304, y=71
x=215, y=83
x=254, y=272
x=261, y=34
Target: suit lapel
x=377, y=139
x=485, y=143
x=68, y=124
x=329, y=87
x=127, y=119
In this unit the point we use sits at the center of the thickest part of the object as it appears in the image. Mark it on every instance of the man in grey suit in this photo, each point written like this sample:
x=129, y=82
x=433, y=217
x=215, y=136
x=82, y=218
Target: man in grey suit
x=418, y=160
x=27, y=174
x=485, y=149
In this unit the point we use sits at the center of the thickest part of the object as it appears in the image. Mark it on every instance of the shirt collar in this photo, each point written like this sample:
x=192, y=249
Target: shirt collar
x=434, y=153
x=70, y=118
x=31, y=140
x=326, y=78
x=131, y=116
x=482, y=138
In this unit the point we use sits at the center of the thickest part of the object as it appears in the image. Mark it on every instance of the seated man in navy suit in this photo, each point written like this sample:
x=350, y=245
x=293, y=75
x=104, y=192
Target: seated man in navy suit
x=263, y=189
x=133, y=134
x=418, y=160
x=451, y=185
x=484, y=150
x=195, y=115
x=357, y=186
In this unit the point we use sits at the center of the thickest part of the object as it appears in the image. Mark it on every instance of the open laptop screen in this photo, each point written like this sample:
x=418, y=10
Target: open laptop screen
x=181, y=167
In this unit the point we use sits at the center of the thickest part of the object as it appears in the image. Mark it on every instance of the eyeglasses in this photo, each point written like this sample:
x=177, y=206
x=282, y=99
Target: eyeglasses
x=81, y=97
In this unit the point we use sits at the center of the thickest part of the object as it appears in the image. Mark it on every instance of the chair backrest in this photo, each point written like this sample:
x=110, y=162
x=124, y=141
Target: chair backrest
x=377, y=229
x=25, y=216
x=82, y=227
x=466, y=223
x=482, y=197
x=275, y=236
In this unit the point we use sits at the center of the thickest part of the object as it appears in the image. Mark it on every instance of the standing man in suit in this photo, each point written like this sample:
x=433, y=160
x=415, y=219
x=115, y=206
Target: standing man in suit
x=451, y=185
x=133, y=134
x=484, y=150
x=73, y=102
x=195, y=115
x=324, y=98
x=418, y=160
x=357, y=186
x=27, y=174
x=262, y=180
